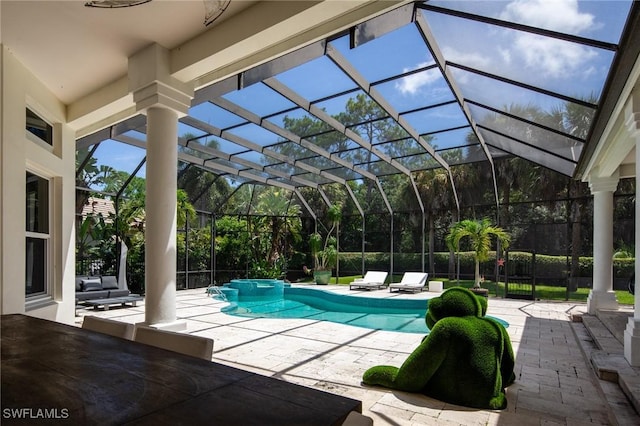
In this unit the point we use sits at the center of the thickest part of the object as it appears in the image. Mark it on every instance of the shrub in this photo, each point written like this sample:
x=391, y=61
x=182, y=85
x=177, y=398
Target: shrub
x=555, y=268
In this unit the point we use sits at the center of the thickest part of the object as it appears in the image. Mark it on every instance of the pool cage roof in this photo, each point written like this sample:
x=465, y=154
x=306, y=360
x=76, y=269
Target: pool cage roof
x=428, y=86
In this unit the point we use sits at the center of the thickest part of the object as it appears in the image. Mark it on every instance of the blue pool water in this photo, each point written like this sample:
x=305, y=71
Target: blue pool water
x=402, y=315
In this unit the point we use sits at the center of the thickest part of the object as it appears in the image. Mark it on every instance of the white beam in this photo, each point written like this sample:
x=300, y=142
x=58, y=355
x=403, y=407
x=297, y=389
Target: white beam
x=268, y=30
x=261, y=32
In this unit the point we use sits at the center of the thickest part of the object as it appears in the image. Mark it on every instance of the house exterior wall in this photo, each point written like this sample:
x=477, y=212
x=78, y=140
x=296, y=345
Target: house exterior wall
x=20, y=153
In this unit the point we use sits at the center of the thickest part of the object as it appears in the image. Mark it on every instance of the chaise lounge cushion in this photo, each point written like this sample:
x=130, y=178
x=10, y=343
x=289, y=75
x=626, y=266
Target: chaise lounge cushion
x=371, y=280
x=411, y=281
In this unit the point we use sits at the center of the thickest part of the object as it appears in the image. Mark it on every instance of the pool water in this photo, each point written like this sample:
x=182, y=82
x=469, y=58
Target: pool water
x=407, y=316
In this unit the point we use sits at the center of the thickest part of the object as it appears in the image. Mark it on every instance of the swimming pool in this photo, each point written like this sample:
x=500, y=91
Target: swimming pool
x=401, y=315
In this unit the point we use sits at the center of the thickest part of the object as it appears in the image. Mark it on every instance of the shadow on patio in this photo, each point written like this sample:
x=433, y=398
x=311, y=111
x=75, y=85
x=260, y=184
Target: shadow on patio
x=555, y=383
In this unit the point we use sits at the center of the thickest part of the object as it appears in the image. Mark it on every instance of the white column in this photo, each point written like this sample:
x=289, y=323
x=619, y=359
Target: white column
x=164, y=100
x=160, y=215
x=632, y=332
x=602, y=295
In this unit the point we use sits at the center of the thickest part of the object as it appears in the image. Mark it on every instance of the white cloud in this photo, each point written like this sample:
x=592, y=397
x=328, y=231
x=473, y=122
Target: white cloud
x=411, y=84
x=505, y=54
x=546, y=56
x=551, y=57
x=590, y=71
x=472, y=59
x=557, y=15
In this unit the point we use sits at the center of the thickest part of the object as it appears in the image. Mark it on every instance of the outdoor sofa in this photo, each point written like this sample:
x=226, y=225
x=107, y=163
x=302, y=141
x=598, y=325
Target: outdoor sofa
x=98, y=287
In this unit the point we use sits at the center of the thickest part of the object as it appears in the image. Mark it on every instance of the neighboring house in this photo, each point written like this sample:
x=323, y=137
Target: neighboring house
x=98, y=206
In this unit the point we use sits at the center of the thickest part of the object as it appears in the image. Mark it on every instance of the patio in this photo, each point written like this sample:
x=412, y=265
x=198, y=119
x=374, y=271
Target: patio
x=555, y=383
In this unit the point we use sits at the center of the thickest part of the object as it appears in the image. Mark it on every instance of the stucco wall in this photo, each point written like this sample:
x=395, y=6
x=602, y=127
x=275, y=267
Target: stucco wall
x=18, y=154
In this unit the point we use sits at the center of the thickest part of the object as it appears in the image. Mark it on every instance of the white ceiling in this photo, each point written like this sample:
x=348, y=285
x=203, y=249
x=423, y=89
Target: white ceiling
x=74, y=50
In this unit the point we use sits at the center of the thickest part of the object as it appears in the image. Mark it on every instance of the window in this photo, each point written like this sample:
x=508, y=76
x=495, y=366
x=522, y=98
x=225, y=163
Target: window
x=37, y=236
x=38, y=127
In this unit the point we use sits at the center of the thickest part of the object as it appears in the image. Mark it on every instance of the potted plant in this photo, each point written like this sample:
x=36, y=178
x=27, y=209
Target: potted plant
x=325, y=250
x=479, y=233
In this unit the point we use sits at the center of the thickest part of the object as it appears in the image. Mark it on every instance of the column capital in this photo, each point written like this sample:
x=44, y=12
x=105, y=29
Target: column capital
x=152, y=84
x=603, y=184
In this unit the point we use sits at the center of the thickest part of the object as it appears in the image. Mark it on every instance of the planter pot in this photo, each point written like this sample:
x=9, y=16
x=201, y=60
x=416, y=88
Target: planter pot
x=322, y=277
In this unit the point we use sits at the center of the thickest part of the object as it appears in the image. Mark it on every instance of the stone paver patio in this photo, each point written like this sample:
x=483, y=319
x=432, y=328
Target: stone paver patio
x=555, y=384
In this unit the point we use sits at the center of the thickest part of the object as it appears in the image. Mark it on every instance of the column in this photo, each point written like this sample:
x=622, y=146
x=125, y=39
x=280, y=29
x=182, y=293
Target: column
x=602, y=295
x=163, y=99
x=632, y=331
x=160, y=214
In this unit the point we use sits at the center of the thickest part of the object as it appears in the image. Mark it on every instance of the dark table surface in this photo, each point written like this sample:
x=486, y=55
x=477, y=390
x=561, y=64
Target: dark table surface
x=65, y=373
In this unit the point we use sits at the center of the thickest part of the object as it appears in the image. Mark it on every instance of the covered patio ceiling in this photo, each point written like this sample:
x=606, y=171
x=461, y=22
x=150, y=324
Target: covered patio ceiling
x=429, y=85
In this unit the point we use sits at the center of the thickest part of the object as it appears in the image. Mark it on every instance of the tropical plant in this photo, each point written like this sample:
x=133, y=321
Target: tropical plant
x=185, y=210
x=325, y=251
x=279, y=219
x=479, y=234
x=232, y=243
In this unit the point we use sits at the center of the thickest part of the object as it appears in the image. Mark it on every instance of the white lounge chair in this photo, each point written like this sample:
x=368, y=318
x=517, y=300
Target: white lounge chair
x=108, y=326
x=411, y=281
x=188, y=344
x=372, y=279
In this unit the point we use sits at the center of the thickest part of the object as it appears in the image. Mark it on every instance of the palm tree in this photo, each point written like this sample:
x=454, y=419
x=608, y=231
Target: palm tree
x=479, y=233
x=276, y=226
x=435, y=189
x=280, y=219
x=185, y=210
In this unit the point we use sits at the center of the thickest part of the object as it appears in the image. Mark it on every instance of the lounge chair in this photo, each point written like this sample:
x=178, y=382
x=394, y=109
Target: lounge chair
x=372, y=279
x=411, y=281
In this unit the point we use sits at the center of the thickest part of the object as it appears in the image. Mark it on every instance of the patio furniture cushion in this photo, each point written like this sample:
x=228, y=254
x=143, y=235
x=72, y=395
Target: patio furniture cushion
x=119, y=292
x=97, y=287
x=91, y=284
x=79, y=279
x=411, y=281
x=372, y=279
x=109, y=282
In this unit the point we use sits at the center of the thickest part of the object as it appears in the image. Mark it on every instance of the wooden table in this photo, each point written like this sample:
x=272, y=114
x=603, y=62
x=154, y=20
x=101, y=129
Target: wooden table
x=92, y=378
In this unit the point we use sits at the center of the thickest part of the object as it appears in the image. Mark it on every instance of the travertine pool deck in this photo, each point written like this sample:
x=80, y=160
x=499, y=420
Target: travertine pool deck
x=555, y=381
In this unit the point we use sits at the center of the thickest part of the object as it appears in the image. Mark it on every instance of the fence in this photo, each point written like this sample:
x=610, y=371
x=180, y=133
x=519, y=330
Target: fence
x=408, y=242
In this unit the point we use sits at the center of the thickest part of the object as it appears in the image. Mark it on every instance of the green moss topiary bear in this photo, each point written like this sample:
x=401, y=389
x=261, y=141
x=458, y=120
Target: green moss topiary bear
x=466, y=359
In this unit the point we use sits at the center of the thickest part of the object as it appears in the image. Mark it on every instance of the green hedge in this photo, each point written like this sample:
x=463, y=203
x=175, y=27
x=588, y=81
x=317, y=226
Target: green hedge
x=546, y=266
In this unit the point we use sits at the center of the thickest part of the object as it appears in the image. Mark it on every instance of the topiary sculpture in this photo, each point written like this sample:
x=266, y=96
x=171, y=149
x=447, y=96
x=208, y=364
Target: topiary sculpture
x=466, y=359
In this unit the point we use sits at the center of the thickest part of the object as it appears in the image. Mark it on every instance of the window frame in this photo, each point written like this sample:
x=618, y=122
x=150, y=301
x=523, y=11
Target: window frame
x=47, y=142
x=36, y=299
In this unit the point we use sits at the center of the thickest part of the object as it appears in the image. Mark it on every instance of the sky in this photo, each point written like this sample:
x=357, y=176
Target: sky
x=559, y=66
